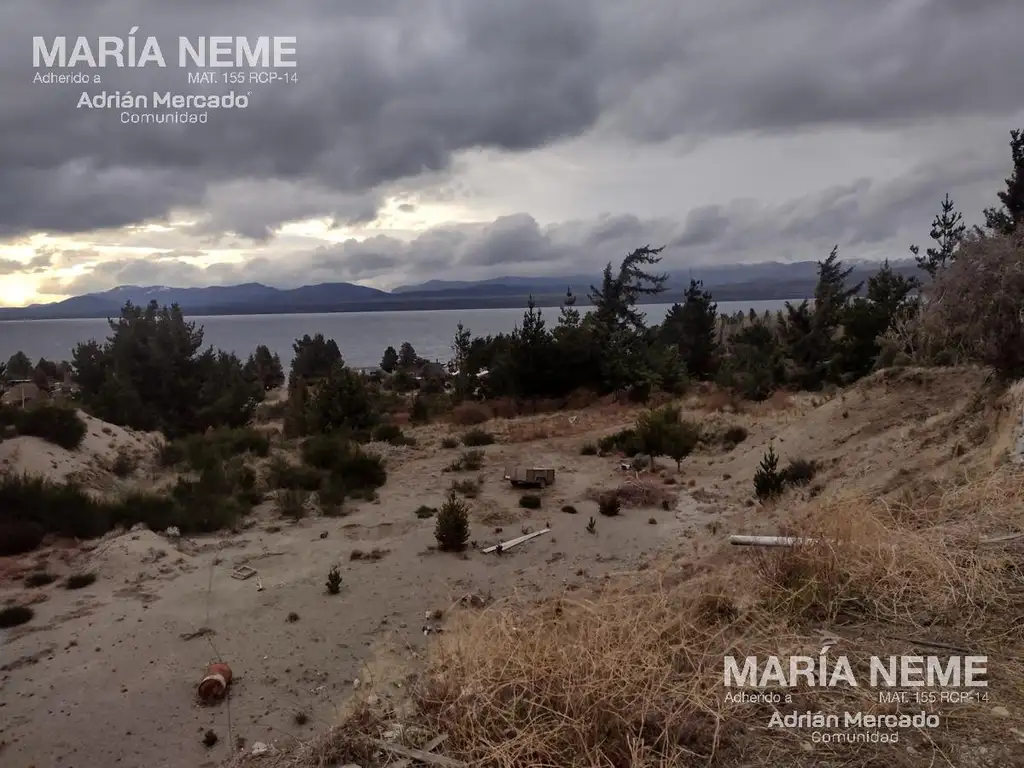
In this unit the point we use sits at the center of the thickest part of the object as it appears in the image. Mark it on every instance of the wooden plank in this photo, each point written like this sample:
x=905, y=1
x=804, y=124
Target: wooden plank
x=421, y=755
x=512, y=542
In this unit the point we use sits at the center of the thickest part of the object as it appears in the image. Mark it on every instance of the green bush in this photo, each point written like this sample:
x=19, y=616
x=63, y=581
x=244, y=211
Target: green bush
x=424, y=512
x=15, y=615
x=624, y=441
x=39, y=579
x=609, y=505
x=392, y=433
x=451, y=528
x=215, y=447
x=529, y=501
x=734, y=435
x=283, y=474
x=477, y=437
x=768, y=481
x=54, y=423
x=799, y=472
x=420, y=413
x=588, y=449
x=79, y=580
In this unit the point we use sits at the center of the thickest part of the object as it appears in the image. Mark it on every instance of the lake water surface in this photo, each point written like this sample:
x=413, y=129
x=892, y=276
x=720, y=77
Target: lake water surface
x=361, y=336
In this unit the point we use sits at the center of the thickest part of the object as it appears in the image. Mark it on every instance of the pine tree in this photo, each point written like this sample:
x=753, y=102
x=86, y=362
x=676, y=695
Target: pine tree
x=389, y=361
x=1003, y=220
x=690, y=327
x=768, y=481
x=948, y=232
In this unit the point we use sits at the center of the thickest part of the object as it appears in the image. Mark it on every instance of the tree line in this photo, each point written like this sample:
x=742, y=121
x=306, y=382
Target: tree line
x=154, y=373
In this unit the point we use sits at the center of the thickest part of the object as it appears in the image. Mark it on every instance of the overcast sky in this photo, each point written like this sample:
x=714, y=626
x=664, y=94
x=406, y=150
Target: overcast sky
x=462, y=139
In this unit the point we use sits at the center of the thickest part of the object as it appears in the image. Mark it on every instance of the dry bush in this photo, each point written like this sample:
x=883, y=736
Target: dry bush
x=470, y=414
x=974, y=310
x=504, y=408
x=635, y=493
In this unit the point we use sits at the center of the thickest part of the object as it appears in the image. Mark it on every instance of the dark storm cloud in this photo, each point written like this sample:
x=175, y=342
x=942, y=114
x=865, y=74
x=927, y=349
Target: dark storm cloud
x=391, y=90
x=867, y=218
x=383, y=95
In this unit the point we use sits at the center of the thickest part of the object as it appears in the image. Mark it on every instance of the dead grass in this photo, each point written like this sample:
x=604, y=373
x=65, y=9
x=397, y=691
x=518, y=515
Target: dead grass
x=634, y=676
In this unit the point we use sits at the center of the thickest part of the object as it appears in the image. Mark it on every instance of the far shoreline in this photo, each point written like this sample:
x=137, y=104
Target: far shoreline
x=26, y=314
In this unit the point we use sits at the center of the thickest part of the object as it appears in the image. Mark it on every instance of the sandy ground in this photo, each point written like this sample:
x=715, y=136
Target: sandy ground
x=107, y=675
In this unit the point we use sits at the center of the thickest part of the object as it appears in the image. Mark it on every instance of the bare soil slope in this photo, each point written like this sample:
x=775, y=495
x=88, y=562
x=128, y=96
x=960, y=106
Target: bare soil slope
x=107, y=674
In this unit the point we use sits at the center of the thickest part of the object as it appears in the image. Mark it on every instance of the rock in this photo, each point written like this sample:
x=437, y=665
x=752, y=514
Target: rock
x=434, y=615
x=172, y=532
x=1000, y=711
x=259, y=748
x=355, y=683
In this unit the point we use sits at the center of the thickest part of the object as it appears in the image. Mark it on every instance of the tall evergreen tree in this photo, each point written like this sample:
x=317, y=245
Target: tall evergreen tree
x=690, y=327
x=948, y=232
x=1004, y=219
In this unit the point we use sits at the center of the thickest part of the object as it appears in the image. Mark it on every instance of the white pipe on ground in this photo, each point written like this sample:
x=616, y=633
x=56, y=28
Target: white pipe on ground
x=770, y=541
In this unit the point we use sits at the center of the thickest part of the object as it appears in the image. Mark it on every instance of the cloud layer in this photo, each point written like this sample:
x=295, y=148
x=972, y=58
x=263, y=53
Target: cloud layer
x=417, y=106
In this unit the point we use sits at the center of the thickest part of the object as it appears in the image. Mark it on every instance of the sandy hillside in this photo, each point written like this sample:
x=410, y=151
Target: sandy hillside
x=90, y=462
x=107, y=674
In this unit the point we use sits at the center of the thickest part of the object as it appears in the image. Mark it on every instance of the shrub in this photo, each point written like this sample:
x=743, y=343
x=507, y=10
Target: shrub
x=569, y=509
x=15, y=615
x=283, y=474
x=19, y=536
x=424, y=512
x=79, y=580
x=452, y=526
x=215, y=447
x=124, y=463
x=39, y=579
x=588, y=449
x=477, y=437
x=624, y=441
x=359, y=472
x=468, y=488
x=449, y=442
x=609, y=505
x=734, y=435
x=529, y=501
x=291, y=503
x=799, y=472
x=54, y=423
x=331, y=497
x=973, y=311
x=470, y=414
x=333, y=580
x=768, y=481
x=468, y=461
x=391, y=433
x=420, y=413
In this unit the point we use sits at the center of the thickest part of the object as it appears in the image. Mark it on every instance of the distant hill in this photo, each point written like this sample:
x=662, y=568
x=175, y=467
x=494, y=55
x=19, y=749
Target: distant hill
x=727, y=282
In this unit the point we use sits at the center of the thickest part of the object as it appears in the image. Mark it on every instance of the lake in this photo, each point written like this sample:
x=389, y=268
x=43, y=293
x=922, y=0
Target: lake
x=361, y=336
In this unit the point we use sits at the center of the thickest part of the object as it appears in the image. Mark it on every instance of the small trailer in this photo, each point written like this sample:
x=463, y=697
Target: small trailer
x=538, y=477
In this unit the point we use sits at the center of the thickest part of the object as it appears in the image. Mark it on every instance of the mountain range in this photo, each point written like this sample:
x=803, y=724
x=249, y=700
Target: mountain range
x=726, y=282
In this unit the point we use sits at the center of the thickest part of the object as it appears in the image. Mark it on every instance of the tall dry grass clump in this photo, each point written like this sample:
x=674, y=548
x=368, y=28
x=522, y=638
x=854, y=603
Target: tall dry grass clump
x=973, y=310
x=633, y=677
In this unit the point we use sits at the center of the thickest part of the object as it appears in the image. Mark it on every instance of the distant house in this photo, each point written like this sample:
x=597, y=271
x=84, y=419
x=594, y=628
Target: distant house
x=22, y=394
